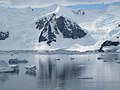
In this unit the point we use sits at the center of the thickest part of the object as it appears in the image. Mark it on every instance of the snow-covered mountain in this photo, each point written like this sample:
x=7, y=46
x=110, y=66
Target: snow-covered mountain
x=57, y=27
x=109, y=22
x=54, y=26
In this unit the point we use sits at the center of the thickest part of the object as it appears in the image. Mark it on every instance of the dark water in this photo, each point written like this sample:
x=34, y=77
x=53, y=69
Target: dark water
x=82, y=72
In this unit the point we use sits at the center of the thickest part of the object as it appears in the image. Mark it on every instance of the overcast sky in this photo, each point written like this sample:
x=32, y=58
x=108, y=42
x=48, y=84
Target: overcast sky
x=41, y=3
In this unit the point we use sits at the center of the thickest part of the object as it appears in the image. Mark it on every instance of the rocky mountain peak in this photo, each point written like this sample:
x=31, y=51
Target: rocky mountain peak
x=52, y=26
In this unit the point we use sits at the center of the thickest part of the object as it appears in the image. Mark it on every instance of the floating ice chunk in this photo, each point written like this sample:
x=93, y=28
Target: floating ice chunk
x=22, y=61
x=31, y=68
x=13, y=61
x=15, y=67
x=82, y=65
x=85, y=77
x=57, y=59
x=31, y=73
x=56, y=88
x=16, y=61
x=99, y=58
x=118, y=61
x=6, y=70
x=72, y=58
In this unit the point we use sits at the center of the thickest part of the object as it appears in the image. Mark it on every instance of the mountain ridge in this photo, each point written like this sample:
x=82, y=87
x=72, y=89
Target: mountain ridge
x=20, y=23
x=55, y=25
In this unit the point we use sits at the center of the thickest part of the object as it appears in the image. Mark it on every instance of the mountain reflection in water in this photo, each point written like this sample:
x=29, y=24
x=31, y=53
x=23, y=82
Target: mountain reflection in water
x=60, y=72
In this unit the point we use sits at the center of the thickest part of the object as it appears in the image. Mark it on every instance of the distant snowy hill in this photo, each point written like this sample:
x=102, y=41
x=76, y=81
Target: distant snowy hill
x=57, y=27
x=109, y=23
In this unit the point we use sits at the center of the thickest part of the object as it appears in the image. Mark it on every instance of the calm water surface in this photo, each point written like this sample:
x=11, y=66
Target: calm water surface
x=82, y=72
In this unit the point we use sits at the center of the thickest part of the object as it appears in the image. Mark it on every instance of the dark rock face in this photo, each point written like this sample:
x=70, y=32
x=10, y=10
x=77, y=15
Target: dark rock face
x=4, y=35
x=47, y=34
x=52, y=26
x=71, y=30
x=79, y=12
x=41, y=23
x=108, y=43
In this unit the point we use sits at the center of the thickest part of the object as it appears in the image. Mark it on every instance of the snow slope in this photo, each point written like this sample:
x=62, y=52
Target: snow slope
x=23, y=35
x=19, y=23
x=109, y=24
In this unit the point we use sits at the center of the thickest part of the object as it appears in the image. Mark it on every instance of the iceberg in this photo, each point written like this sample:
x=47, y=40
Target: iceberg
x=16, y=61
x=5, y=68
x=31, y=68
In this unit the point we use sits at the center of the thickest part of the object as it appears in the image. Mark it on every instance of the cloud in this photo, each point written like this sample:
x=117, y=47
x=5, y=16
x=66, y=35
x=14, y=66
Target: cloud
x=41, y=3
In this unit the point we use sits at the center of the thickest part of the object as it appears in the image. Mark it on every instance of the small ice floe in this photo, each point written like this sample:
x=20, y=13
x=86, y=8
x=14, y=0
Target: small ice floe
x=30, y=73
x=6, y=70
x=100, y=58
x=117, y=61
x=31, y=68
x=57, y=59
x=82, y=65
x=12, y=54
x=116, y=58
x=16, y=61
x=9, y=69
x=56, y=88
x=72, y=58
x=85, y=77
x=15, y=67
x=105, y=60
